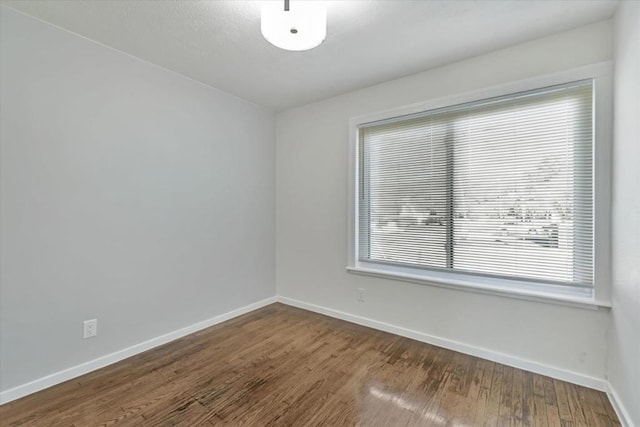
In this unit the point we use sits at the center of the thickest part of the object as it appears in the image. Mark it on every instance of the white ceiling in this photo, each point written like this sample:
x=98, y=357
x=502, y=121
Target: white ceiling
x=218, y=42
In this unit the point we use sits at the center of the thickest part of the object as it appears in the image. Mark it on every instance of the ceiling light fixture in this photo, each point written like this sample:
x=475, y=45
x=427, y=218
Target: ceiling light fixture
x=300, y=25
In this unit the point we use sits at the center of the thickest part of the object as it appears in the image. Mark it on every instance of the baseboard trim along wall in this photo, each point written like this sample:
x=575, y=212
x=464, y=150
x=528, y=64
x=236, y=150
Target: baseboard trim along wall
x=621, y=411
x=101, y=362
x=516, y=362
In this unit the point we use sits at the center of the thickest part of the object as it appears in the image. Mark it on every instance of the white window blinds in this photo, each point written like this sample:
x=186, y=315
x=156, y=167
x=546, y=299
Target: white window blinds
x=501, y=187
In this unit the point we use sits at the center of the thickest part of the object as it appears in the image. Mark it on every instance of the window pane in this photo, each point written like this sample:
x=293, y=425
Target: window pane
x=406, y=193
x=522, y=172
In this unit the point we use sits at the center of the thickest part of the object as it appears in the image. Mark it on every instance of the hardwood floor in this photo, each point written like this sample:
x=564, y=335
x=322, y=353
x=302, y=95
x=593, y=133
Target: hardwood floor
x=284, y=366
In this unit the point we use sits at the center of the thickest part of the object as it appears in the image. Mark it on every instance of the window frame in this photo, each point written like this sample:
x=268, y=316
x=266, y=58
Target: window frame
x=599, y=295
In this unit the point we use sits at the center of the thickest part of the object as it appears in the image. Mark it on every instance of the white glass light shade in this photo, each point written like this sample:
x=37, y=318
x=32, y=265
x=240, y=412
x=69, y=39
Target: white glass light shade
x=302, y=27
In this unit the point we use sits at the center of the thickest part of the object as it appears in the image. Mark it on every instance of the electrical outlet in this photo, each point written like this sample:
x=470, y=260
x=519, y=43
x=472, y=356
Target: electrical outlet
x=90, y=328
x=361, y=294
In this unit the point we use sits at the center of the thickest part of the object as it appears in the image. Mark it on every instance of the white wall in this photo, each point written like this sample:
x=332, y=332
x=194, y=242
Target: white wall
x=311, y=218
x=624, y=339
x=129, y=194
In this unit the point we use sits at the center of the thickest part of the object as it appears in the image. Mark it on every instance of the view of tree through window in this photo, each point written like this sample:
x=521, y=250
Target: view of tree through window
x=501, y=187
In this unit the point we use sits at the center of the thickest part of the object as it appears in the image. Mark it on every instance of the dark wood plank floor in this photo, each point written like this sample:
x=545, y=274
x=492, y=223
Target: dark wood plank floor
x=284, y=366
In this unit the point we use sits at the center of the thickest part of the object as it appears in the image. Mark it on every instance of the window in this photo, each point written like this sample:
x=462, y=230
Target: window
x=500, y=188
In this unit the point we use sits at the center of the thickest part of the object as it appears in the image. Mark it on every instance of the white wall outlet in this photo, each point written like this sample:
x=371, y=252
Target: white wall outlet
x=361, y=294
x=90, y=328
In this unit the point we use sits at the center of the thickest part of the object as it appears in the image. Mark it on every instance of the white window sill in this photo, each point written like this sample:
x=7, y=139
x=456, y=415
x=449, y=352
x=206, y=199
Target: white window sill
x=582, y=298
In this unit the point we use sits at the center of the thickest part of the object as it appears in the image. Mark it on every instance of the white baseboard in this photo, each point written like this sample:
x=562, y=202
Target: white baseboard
x=516, y=362
x=101, y=362
x=621, y=411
